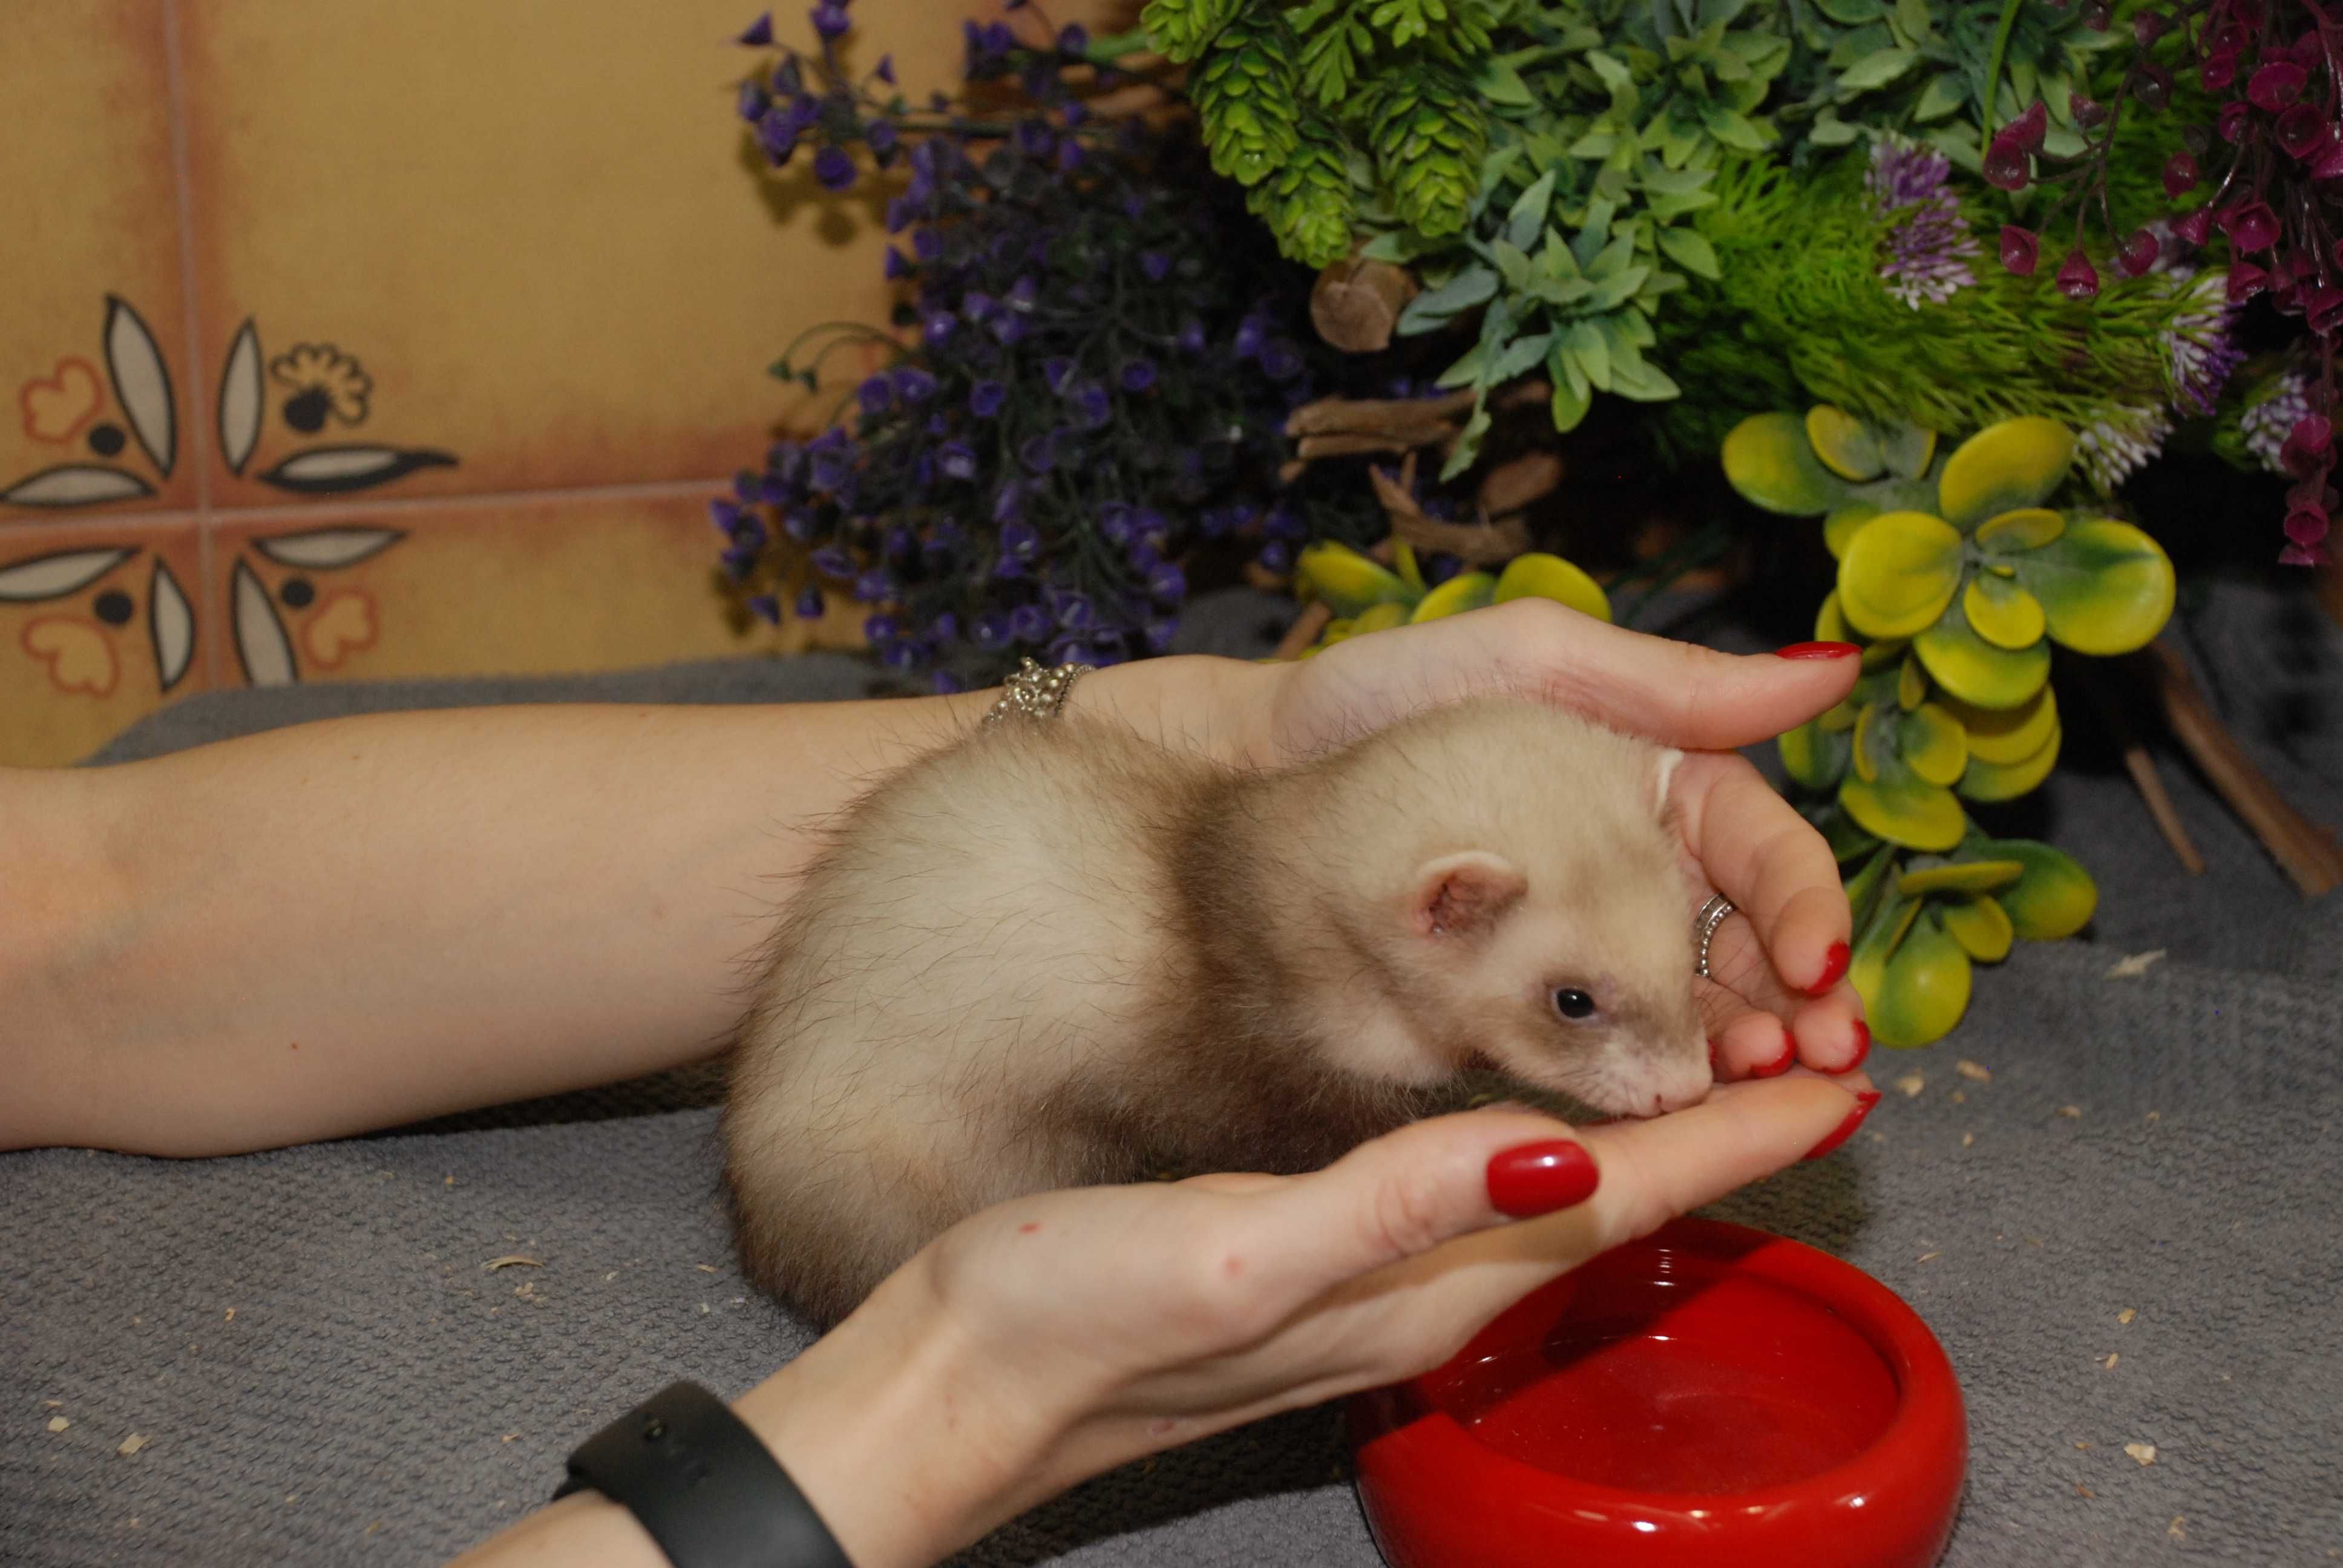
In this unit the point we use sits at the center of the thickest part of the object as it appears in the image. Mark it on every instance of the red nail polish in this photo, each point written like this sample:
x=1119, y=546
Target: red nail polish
x=1863, y=1104
x=1817, y=650
x=1781, y=1063
x=1862, y=1048
x=1834, y=964
x=1539, y=1177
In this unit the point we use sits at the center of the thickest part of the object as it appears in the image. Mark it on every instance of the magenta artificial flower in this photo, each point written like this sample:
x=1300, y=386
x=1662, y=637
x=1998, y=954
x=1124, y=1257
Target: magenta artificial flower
x=2077, y=279
x=2302, y=132
x=2196, y=228
x=2019, y=250
x=2275, y=85
x=2246, y=280
x=2028, y=129
x=2231, y=122
x=2181, y=174
x=2250, y=226
x=2006, y=163
x=2153, y=87
x=2218, y=71
x=2329, y=165
x=2304, y=451
x=2138, y=253
x=2307, y=526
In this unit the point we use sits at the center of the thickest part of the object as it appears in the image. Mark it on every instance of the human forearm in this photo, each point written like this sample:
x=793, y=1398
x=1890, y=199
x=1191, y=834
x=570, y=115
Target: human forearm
x=348, y=925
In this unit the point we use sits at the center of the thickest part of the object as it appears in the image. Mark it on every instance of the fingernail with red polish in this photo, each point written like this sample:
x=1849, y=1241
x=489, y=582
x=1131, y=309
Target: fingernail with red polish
x=1863, y=1104
x=1780, y=1064
x=1817, y=650
x=1539, y=1177
x=1862, y=1048
x=1834, y=964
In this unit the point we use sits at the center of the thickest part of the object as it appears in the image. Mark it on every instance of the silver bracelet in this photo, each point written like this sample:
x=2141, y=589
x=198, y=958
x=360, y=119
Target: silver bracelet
x=1034, y=692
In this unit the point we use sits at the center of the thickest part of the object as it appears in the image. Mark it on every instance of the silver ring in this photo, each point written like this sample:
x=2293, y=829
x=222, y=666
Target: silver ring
x=1712, y=915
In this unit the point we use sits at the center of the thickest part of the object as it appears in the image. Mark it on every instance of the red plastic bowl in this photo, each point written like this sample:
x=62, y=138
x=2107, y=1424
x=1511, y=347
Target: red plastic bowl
x=1711, y=1395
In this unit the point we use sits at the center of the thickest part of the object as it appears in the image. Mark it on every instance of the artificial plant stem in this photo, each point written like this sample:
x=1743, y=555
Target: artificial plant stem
x=1993, y=72
x=1115, y=46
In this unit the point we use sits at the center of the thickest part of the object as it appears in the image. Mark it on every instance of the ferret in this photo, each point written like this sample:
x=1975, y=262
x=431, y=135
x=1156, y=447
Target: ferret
x=1056, y=954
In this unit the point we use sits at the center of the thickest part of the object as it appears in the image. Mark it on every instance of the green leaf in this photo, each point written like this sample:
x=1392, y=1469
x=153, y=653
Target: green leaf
x=1518, y=359
x=1735, y=130
x=1916, y=19
x=1688, y=250
x=1572, y=396
x=1499, y=83
x=1527, y=218
x=2105, y=586
x=1942, y=96
x=1591, y=349
x=2054, y=899
x=1876, y=70
x=1644, y=383
x=1435, y=308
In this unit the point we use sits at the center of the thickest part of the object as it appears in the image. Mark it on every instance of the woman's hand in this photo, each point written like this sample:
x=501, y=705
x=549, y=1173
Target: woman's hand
x=1781, y=962
x=1056, y=1336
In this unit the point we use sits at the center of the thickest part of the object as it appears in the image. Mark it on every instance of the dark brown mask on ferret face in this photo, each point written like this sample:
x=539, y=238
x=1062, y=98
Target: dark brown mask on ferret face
x=1567, y=960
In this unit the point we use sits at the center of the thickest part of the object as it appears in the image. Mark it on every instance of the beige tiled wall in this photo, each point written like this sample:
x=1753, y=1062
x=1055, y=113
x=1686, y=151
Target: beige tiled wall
x=390, y=338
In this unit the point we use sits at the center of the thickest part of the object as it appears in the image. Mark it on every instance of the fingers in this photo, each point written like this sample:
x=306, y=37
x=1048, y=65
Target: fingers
x=1761, y=1027
x=1769, y=860
x=1403, y=1195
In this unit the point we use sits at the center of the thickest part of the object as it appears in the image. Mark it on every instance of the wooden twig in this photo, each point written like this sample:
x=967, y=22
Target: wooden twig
x=1481, y=543
x=2141, y=766
x=1518, y=481
x=2305, y=851
x=1305, y=630
x=1356, y=305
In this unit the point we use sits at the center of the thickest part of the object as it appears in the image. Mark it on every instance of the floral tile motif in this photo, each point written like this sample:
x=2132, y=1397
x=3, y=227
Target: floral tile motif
x=93, y=315
x=97, y=628
x=442, y=249
x=508, y=586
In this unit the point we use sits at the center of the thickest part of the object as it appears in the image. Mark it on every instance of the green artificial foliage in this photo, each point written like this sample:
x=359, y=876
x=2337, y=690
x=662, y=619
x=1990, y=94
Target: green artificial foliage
x=1246, y=96
x=1184, y=29
x=1428, y=136
x=1311, y=203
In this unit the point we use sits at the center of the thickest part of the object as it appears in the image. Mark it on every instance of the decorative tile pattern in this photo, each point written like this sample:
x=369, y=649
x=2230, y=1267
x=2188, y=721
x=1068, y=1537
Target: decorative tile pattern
x=513, y=586
x=97, y=628
x=459, y=248
x=93, y=326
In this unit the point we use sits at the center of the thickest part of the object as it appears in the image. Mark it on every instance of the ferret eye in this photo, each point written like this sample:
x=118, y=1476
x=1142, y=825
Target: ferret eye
x=1573, y=1004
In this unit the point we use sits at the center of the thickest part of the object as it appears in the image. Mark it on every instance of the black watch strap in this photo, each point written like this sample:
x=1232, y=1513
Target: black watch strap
x=703, y=1487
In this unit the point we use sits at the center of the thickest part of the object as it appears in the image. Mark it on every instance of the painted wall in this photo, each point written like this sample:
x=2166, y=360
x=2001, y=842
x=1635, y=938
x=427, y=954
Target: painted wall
x=390, y=338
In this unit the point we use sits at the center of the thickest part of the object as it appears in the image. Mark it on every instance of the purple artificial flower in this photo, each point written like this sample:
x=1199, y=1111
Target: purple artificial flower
x=747, y=485
x=944, y=683
x=1160, y=632
x=2019, y=250
x=1275, y=556
x=894, y=267
x=765, y=608
x=1168, y=583
x=957, y=460
x=1075, y=612
x=886, y=71
x=802, y=527
x=985, y=399
x=1928, y=247
x=788, y=82
x=1073, y=114
x=936, y=328
x=990, y=631
x=1035, y=139
x=883, y=137
x=927, y=244
x=1192, y=336
x=1056, y=371
x=976, y=305
x=1023, y=292
x=1252, y=332
x=1028, y=624
x=776, y=137
x=2077, y=279
x=758, y=33
x=1008, y=503
x=1093, y=407
x=829, y=19
x=809, y=604
x=873, y=586
x=737, y=562
x=725, y=515
x=1040, y=453
x=875, y=395
x=1007, y=328
x=879, y=628
x=1280, y=360
x=1138, y=374
x=832, y=562
x=1282, y=522
x=753, y=102
x=1155, y=264
x=833, y=168
x=1070, y=156
x=1073, y=40
x=899, y=542
x=912, y=385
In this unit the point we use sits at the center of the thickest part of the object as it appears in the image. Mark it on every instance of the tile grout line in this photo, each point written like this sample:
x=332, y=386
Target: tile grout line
x=310, y=511
x=182, y=179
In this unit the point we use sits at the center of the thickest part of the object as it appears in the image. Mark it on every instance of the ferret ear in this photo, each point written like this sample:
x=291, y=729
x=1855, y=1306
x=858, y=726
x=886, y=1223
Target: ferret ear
x=1669, y=759
x=1464, y=894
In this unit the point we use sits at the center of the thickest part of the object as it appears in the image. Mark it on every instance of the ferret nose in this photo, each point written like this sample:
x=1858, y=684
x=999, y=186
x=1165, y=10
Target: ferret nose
x=1679, y=1091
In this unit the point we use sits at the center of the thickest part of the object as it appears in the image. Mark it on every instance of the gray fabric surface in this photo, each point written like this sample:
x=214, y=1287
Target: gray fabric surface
x=378, y=1396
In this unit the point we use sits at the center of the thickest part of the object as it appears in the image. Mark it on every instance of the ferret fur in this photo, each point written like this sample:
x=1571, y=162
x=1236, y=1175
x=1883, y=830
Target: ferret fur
x=1057, y=954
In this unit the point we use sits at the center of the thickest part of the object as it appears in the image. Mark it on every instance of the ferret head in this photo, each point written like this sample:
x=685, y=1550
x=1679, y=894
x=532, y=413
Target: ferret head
x=1548, y=925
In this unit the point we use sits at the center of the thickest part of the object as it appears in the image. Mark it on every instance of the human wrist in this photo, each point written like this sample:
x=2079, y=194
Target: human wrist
x=895, y=1429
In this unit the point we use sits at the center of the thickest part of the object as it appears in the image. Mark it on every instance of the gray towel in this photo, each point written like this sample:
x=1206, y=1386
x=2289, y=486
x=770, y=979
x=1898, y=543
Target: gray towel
x=382, y=1394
